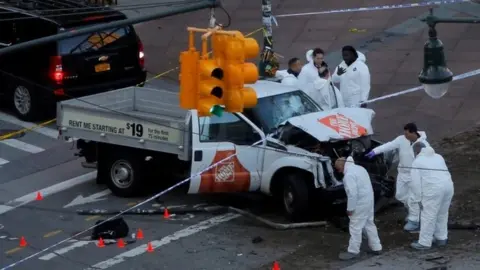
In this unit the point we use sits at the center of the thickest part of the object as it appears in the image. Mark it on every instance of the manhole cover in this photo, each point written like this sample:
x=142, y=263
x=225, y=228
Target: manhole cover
x=13, y=132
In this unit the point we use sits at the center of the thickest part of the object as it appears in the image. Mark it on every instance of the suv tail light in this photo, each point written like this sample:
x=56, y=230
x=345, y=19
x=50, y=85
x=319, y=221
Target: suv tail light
x=141, y=54
x=56, y=69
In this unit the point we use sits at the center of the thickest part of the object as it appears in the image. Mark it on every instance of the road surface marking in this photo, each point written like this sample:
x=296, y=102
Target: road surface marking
x=204, y=225
x=9, y=206
x=50, y=234
x=64, y=250
x=26, y=147
x=13, y=250
x=79, y=200
x=49, y=132
x=92, y=218
x=3, y=161
x=131, y=204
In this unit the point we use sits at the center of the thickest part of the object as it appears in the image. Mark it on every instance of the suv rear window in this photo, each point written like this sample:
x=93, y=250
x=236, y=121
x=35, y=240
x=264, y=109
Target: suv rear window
x=107, y=39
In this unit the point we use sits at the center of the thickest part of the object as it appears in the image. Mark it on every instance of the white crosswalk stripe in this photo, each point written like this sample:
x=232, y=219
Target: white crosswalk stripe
x=23, y=146
x=31, y=142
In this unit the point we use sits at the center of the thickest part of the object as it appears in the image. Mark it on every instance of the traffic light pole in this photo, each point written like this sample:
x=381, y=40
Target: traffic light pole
x=267, y=35
x=104, y=26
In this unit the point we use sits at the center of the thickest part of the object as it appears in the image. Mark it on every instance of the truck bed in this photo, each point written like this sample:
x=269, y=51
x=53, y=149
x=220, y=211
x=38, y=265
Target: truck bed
x=138, y=117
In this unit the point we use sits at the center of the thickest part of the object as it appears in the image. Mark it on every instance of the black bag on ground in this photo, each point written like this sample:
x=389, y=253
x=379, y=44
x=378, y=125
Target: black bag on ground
x=112, y=229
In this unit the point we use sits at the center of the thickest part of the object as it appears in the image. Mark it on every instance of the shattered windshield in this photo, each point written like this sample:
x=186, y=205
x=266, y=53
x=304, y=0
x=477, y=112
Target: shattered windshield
x=274, y=110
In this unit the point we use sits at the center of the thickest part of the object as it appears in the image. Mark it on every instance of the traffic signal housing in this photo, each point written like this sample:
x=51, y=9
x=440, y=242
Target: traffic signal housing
x=214, y=84
x=237, y=49
x=188, y=79
x=210, y=88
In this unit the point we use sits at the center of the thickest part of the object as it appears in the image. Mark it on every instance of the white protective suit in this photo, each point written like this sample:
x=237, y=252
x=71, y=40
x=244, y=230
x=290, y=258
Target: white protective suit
x=309, y=72
x=358, y=187
x=322, y=91
x=406, y=157
x=355, y=82
x=433, y=187
x=286, y=78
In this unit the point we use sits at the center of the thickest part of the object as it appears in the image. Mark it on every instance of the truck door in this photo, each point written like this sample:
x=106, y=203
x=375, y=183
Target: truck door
x=214, y=140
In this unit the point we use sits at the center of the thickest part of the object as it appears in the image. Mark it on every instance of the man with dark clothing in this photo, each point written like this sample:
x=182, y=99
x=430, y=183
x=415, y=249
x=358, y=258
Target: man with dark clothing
x=294, y=66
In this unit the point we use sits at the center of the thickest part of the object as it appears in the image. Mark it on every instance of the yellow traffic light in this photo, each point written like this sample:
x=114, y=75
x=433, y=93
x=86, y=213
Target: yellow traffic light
x=207, y=83
x=210, y=87
x=236, y=50
x=188, y=79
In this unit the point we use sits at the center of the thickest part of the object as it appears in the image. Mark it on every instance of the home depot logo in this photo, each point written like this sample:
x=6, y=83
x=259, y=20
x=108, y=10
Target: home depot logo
x=225, y=172
x=343, y=125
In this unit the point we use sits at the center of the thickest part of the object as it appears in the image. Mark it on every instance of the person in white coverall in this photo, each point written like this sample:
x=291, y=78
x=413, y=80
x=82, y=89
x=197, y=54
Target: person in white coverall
x=315, y=81
x=432, y=188
x=360, y=207
x=403, y=144
x=315, y=67
x=324, y=93
x=353, y=76
x=289, y=76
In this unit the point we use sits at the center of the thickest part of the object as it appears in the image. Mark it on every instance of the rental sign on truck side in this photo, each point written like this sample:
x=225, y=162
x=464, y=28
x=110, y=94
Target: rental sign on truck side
x=133, y=128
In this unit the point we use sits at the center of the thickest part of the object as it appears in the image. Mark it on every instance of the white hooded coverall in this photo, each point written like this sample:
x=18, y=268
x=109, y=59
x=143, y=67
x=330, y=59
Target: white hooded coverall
x=286, y=78
x=403, y=189
x=432, y=186
x=360, y=200
x=309, y=72
x=355, y=82
x=321, y=90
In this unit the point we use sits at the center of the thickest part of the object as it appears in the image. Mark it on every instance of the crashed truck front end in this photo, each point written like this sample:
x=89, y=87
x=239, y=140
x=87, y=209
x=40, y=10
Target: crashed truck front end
x=325, y=136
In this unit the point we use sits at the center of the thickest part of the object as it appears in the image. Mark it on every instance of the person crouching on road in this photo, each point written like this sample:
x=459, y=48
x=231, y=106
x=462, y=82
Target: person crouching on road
x=353, y=76
x=403, y=191
x=360, y=207
x=432, y=188
x=289, y=76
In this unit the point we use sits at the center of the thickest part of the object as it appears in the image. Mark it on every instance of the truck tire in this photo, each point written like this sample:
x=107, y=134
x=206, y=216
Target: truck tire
x=295, y=197
x=124, y=174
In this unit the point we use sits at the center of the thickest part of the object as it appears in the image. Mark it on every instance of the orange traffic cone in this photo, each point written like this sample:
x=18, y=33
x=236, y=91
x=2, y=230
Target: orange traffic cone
x=100, y=243
x=39, y=196
x=23, y=242
x=120, y=243
x=276, y=266
x=149, y=247
x=139, y=234
x=166, y=215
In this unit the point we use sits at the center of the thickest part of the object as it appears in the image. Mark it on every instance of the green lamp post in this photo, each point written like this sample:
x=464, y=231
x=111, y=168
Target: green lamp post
x=435, y=75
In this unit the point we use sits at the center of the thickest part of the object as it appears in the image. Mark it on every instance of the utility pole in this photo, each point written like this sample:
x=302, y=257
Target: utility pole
x=115, y=24
x=267, y=20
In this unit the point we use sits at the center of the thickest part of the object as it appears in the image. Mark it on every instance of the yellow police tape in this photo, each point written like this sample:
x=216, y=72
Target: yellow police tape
x=9, y=135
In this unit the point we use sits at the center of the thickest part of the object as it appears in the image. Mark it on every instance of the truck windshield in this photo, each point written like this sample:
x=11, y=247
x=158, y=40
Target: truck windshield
x=274, y=110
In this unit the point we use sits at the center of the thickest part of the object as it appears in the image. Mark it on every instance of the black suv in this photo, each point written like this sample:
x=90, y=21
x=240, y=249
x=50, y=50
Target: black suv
x=32, y=80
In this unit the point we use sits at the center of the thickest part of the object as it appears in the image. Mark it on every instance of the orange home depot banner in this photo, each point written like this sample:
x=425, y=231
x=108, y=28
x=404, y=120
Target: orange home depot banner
x=346, y=127
x=227, y=176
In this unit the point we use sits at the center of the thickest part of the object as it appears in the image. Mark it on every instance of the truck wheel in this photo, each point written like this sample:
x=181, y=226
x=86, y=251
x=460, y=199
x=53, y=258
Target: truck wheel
x=295, y=196
x=124, y=175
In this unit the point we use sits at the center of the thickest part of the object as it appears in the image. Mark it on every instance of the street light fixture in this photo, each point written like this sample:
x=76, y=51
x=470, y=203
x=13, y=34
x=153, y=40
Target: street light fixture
x=435, y=75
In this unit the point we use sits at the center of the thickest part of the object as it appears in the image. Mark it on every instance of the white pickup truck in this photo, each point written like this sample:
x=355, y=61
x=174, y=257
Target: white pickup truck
x=138, y=134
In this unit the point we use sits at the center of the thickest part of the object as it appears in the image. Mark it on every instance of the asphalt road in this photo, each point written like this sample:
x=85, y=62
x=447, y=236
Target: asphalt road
x=37, y=161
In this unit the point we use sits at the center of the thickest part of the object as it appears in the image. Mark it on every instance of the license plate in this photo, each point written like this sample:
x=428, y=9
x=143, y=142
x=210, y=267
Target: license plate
x=102, y=67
